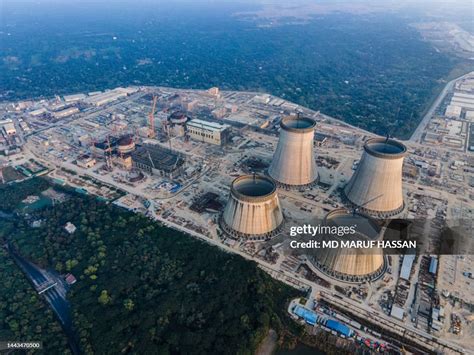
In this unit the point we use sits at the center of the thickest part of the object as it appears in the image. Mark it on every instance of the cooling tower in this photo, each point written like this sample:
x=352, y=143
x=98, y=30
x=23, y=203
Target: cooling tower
x=351, y=264
x=376, y=185
x=293, y=163
x=253, y=208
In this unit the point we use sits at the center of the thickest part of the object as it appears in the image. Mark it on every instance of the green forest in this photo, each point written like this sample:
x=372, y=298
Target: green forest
x=23, y=314
x=141, y=288
x=373, y=71
x=13, y=194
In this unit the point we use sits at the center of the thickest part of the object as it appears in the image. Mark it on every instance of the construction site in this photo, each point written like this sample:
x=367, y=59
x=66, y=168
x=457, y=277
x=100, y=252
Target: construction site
x=237, y=170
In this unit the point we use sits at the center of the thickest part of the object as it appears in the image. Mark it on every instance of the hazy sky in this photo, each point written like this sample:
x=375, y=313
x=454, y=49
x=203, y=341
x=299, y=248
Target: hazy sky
x=445, y=10
x=284, y=2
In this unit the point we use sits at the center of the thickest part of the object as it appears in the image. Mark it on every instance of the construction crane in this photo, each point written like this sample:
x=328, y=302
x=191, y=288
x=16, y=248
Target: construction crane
x=108, y=155
x=151, y=119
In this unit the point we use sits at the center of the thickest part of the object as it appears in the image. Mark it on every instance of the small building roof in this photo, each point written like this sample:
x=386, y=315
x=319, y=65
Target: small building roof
x=397, y=312
x=9, y=127
x=75, y=97
x=339, y=327
x=433, y=265
x=406, y=266
x=320, y=137
x=309, y=316
x=70, y=228
x=70, y=279
x=212, y=126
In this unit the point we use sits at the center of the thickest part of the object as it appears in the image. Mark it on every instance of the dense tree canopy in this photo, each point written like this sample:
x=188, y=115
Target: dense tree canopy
x=144, y=288
x=24, y=316
x=374, y=70
x=12, y=195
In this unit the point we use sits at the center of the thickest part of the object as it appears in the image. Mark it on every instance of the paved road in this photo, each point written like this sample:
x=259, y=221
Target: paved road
x=285, y=276
x=290, y=277
x=415, y=137
x=294, y=279
x=54, y=298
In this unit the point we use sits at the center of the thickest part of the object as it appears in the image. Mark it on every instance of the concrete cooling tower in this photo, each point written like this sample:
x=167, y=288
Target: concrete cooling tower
x=253, y=208
x=293, y=163
x=376, y=185
x=351, y=264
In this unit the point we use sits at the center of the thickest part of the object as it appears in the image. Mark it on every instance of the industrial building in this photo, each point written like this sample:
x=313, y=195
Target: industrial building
x=407, y=264
x=105, y=147
x=293, y=163
x=262, y=99
x=176, y=124
x=339, y=328
x=308, y=315
x=208, y=132
x=126, y=145
x=346, y=263
x=157, y=160
x=469, y=116
x=397, y=312
x=219, y=112
x=9, y=129
x=376, y=186
x=65, y=113
x=73, y=98
x=191, y=106
x=38, y=112
x=463, y=100
x=85, y=161
x=253, y=209
x=433, y=265
x=470, y=143
x=214, y=91
x=124, y=161
x=107, y=97
x=453, y=111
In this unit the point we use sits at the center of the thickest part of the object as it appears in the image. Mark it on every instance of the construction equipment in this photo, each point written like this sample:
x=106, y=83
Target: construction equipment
x=108, y=155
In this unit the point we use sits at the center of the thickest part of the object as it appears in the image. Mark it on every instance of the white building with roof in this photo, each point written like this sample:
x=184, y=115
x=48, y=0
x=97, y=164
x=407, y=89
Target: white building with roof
x=66, y=112
x=453, y=111
x=38, y=112
x=470, y=116
x=463, y=100
x=75, y=97
x=262, y=99
x=208, y=132
x=407, y=264
x=107, y=97
x=9, y=129
x=70, y=228
x=397, y=312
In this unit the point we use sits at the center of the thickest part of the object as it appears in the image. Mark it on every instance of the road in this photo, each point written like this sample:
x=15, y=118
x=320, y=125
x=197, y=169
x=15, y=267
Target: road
x=326, y=313
x=53, y=296
x=286, y=276
x=290, y=278
x=416, y=136
x=295, y=280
